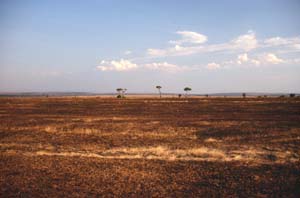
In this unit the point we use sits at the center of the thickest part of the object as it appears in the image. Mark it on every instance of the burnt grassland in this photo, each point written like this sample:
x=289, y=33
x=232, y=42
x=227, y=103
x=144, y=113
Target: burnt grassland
x=149, y=147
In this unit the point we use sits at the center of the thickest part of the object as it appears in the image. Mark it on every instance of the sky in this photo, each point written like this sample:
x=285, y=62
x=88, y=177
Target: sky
x=97, y=46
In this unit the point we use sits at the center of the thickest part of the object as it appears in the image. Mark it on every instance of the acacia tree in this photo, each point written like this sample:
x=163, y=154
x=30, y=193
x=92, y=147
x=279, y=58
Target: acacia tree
x=159, y=87
x=187, y=89
x=119, y=90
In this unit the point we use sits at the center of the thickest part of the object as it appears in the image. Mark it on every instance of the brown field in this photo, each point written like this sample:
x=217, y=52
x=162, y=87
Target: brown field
x=149, y=147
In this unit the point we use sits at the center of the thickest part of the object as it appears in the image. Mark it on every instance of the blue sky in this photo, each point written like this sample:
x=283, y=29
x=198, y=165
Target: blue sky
x=97, y=46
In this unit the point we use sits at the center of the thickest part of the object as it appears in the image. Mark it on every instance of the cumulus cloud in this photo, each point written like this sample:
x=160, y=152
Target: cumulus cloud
x=258, y=60
x=213, y=66
x=114, y=65
x=190, y=37
x=242, y=58
x=245, y=42
x=272, y=59
x=243, y=46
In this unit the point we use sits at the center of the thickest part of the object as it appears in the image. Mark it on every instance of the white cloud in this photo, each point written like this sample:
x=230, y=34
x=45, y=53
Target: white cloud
x=245, y=60
x=243, y=46
x=255, y=62
x=246, y=42
x=242, y=58
x=264, y=59
x=279, y=41
x=213, y=66
x=122, y=65
x=283, y=45
x=190, y=37
x=126, y=65
x=164, y=66
x=177, y=50
x=156, y=52
x=275, y=41
x=271, y=59
x=127, y=52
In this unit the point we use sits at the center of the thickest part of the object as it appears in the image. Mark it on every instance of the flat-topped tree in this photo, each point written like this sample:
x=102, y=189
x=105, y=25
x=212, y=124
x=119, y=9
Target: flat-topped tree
x=187, y=89
x=119, y=90
x=159, y=87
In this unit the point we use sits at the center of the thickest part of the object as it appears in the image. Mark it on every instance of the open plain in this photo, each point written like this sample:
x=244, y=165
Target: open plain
x=149, y=147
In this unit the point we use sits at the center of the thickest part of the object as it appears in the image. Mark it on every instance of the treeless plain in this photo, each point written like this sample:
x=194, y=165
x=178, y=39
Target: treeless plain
x=149, y=147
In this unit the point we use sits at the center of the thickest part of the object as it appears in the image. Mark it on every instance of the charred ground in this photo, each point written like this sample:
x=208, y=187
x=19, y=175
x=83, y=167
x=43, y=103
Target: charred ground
x=89, y=146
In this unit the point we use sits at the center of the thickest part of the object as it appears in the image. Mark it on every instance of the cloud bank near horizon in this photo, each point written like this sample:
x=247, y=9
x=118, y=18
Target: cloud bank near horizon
x=247, y=48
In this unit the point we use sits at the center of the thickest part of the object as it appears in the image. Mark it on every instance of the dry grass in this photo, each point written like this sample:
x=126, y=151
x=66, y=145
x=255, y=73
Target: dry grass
x=251, y=155
x=164, y=148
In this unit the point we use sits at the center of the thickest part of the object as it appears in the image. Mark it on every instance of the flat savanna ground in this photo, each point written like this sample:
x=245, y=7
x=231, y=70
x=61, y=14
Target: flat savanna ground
x=149, y=147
